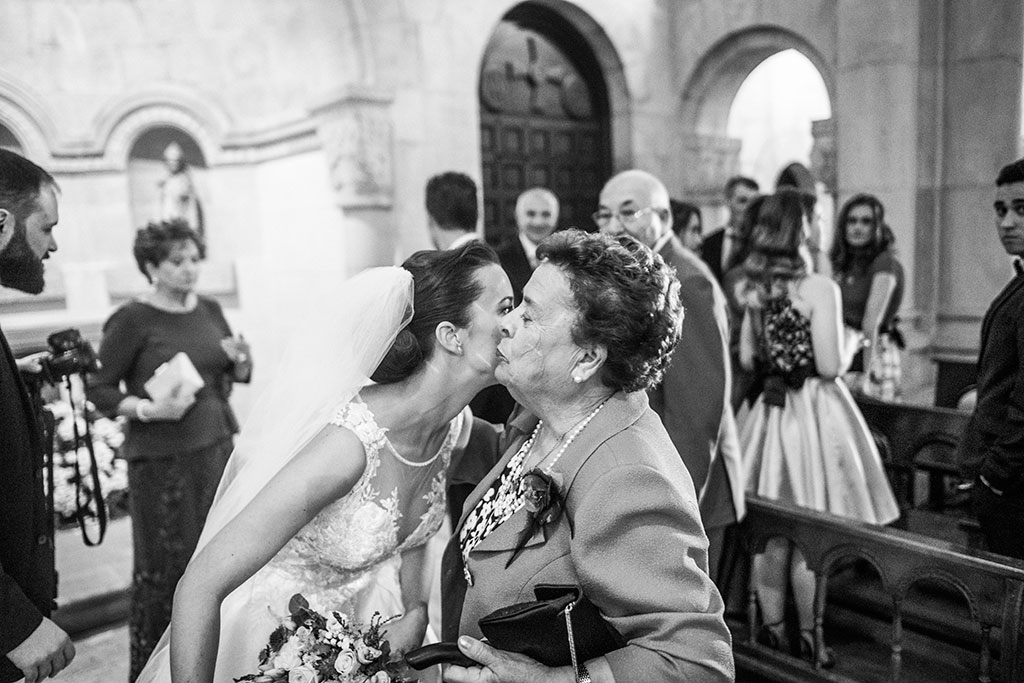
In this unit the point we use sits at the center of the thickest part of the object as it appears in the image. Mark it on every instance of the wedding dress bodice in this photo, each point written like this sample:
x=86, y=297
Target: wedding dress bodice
x=333, y=557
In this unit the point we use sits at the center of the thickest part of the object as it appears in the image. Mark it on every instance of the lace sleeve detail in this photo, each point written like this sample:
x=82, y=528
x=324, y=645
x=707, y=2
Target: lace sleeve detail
x=358, y=418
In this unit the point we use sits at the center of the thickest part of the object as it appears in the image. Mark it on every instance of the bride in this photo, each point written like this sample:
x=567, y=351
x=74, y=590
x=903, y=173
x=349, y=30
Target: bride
x=337, y=482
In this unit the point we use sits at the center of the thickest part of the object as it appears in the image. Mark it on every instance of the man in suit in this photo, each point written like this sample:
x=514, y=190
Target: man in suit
x=536, y=218
x=31, y=645
x=452, y=210
x=693, y=397
x=992, y=450
x=717, y=246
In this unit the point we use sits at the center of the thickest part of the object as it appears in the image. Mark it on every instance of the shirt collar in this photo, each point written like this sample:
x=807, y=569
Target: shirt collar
x=530, y=249
x=1018, y=266
x=463, y=239
x=662, y=241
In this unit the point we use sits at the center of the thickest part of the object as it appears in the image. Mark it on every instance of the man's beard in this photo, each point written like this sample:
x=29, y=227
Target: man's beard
x=20, y=268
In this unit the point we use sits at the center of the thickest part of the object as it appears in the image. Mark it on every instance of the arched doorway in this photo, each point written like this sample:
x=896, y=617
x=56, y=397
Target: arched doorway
x=543, y=119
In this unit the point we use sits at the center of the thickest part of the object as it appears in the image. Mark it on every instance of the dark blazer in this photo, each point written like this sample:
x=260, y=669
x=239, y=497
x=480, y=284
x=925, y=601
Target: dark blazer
x=27, y=578
x=694, y=394
x=626, y=491
x=517, y=266
x=711, y=252
x=993, y=444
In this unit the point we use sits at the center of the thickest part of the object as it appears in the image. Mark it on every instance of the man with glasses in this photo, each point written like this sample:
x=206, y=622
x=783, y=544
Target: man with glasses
x=693, y=397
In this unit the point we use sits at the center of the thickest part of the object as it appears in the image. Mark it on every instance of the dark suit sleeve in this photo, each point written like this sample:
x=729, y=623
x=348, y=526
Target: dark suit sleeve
x=691, y=397
x=662, y=602
x=1004, y=459
x=18, y=616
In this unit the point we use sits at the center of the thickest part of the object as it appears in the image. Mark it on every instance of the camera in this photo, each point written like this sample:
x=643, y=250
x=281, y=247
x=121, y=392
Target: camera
x=70, y=354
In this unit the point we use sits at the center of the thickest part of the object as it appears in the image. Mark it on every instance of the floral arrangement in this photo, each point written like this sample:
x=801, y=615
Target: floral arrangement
x=309, y=647
x=107, y=438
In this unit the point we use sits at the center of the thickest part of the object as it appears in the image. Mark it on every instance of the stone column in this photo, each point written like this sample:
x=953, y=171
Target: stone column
x=978, y=95
x=356, y=132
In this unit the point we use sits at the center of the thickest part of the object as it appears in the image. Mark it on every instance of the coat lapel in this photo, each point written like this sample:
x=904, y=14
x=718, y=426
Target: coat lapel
x=621, y=411
x=518, y=430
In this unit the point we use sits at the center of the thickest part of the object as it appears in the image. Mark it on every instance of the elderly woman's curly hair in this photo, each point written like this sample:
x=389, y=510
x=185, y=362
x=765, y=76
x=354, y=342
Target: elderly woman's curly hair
x=628, y=301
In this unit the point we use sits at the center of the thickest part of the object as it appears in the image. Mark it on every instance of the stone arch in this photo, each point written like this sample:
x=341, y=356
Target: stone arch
x=27, y=120
x=709, y=94
x=710, y=91
x=119, y=126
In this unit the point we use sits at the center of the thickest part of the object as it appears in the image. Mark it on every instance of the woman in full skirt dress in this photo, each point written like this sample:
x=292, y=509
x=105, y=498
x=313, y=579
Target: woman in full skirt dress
x=804, y=441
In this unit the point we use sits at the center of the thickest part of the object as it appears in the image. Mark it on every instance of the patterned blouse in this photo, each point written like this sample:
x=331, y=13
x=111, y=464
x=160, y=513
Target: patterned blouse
x=787, y=337
x=786, y=348
x=500, y=502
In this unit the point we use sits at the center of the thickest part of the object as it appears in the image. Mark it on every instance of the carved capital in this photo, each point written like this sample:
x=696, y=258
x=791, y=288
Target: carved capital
x=823, y=152
x=355, y=131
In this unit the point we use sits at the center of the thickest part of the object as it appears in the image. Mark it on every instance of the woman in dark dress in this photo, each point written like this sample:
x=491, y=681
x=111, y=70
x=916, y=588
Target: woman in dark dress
x=176, y=446
x=870, y=279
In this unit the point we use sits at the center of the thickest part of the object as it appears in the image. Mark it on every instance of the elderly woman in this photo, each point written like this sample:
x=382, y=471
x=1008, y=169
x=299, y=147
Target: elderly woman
x=599, y=319
x=178, y=444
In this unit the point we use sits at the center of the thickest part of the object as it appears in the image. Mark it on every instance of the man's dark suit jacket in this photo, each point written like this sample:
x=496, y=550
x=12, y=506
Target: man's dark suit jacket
x=27, y=579
x=993, y=444
x=711, y=252
x=694, y=394
x=517, y=266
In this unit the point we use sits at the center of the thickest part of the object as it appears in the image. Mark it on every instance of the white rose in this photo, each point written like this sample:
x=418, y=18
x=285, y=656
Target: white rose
x=289, y=657
x=303, y=674
x=380, y=677
x=345, y=662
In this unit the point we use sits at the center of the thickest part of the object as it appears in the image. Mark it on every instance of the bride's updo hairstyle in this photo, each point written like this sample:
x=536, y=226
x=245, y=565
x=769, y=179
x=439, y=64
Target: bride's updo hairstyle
x=444, y=288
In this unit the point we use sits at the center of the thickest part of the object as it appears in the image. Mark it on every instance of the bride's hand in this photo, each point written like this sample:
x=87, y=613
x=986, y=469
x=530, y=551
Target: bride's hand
x=406, y=633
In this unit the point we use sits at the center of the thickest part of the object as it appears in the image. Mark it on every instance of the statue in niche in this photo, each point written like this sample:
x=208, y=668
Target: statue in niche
x=178, y=198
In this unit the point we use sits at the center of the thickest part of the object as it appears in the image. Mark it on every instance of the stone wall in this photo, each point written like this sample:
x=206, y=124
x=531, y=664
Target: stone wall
x=319, y=122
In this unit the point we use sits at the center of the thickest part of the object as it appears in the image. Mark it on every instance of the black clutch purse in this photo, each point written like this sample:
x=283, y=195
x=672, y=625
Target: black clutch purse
x=541, y=629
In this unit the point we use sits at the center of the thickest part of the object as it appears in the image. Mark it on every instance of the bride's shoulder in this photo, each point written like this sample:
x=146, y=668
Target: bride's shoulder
x=356, y=416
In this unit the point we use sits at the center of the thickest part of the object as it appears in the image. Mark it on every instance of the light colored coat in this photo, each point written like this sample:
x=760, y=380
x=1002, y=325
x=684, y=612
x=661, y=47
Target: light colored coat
x=638, y=551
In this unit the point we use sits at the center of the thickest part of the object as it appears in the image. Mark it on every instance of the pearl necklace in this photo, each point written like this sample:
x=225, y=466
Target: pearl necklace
x=569, y=437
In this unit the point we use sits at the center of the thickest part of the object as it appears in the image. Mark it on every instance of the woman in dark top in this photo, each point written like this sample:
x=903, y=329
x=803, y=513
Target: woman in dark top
x=871, y=282
x=176, y=446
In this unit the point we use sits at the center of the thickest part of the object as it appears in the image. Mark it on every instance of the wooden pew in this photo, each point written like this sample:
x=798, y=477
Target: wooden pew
x=993, y=587
x=914, y=438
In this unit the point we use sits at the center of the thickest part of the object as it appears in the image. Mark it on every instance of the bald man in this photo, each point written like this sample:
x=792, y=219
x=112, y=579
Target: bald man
x=693, y=397
x=536, y=218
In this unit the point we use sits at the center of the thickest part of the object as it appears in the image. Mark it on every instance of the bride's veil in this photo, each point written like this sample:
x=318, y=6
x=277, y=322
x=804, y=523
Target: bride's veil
x=329, y=356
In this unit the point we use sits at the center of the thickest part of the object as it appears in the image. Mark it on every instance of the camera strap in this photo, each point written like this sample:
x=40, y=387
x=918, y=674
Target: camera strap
x=82, y=508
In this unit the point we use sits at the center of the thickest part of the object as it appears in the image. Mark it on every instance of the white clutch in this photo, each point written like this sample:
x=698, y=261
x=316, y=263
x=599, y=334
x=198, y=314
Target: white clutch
x=177, y=372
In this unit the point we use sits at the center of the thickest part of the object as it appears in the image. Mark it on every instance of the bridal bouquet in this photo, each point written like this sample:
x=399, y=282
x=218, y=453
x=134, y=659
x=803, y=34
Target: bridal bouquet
x=309, y=647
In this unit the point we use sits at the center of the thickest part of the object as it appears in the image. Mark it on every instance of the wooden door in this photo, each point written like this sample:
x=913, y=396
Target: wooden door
x=543, y=120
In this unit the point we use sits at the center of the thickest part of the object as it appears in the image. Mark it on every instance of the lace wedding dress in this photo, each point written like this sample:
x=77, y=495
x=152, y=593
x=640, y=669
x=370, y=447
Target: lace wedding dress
x=347, y=557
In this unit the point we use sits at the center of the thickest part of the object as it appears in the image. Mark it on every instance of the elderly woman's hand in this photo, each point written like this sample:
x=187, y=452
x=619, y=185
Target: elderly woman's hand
x=498, y=666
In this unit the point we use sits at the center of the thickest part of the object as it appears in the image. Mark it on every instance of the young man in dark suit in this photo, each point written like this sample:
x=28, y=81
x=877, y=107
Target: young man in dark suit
x=31, y=645
x=716, y=247
x=993, y=446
